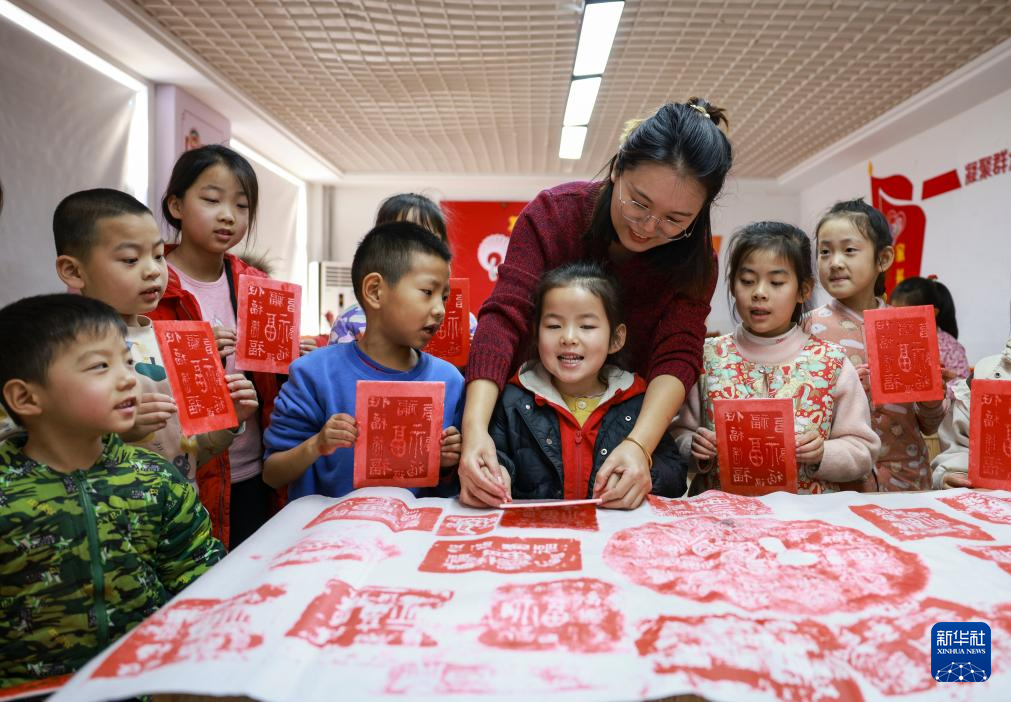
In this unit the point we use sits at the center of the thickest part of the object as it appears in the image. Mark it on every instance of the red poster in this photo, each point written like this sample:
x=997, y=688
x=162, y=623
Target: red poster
x=756, y=445
x=269, y=316
x=907, y=223
x=903, y=355
x=452, y=341
x=917, y=523
x=479, y=232
x=496, y=554
x=196, y=376
x=990, y=434
x=399, y=433
x=390, y=511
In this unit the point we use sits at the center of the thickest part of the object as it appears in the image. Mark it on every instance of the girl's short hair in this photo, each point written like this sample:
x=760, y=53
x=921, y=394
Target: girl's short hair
x=686, y=138
x=194, y=162
x=785, y=241
x=868, y=221
x=925, y=291
x=591, y=277
x=415, y=208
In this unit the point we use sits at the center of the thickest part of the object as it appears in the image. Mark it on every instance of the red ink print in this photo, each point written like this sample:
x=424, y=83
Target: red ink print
x=998, y=555
x=196, y=376
x=582, y=517
x=903, y=355
x=756, y=445
x=502, y=555
x=399, y=433
x=918, y=523
x=800, y=567
x=190, y=631
x=714, y=503
x=990, y=434
x=996, y=510
x=269, y=316
x=390, y=511
x=574, y=615
x=318, y=550
x=439, y=677
x=452, y=341
x=785, y=660
x=387, y=616
x=454, y=525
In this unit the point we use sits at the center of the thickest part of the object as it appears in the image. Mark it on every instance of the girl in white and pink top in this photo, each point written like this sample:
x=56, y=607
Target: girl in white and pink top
x=770, y=277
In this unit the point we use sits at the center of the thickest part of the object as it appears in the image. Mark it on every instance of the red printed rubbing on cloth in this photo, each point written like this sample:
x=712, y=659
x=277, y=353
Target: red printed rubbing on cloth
x=390, y=511
x=456, y=525
x=196, y=376
x=312, y=549
x=918, y=523
x=763, y=659
x=267, y=328
x=452, y=341
x=572, y=615
x=998, y=555
x=990, y=434
x=503, y=555
x=756, y=564
x=582, y=517
x=389, y=616
x=903, y=355
x=755, y=445
x=714, y=503
x=996, y=510
x=399, y=433
x=190, y=631
x=436, y=676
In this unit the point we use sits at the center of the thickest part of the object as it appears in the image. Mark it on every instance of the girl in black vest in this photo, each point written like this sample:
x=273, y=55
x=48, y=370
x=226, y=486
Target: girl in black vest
x=566, y=410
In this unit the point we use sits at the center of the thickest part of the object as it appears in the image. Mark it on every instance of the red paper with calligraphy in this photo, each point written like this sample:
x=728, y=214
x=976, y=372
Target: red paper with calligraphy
x=498, y=554
x=399, y=433
x=990, y=434
x=196, y=376
x=452, y=341
x=755, y=445
x=903, y=355
x=268, y=322
x=390, y=511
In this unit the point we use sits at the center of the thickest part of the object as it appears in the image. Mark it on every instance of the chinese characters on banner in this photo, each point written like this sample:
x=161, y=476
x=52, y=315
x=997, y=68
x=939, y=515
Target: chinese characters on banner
x=268, y=322
x=990, y=434
x=903, y=355
x=399, y=433
x=196, y=376
x=755, y=445
x=452, y=341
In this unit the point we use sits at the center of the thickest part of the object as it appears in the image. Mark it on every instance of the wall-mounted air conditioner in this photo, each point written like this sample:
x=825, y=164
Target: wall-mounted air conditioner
x=330, y=290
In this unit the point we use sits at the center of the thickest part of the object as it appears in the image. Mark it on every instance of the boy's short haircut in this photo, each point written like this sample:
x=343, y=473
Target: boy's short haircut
x=389, y=249
x=35, y=330
x=77, y=214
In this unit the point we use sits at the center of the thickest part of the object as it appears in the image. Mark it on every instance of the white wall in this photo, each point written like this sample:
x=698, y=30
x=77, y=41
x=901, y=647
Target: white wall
x=968, y=234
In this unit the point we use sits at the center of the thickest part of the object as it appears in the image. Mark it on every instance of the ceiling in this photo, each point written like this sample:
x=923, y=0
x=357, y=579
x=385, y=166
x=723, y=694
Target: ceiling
x=480, y=86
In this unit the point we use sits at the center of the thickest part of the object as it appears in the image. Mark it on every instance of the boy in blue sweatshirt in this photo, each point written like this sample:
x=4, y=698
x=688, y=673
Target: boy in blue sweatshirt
x=401, y=277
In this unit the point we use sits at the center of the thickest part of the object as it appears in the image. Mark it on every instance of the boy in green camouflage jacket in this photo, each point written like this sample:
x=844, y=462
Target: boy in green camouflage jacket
x=96, y=534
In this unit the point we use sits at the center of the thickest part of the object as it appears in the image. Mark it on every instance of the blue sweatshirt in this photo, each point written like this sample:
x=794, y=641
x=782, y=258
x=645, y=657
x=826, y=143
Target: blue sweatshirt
x=322, y=384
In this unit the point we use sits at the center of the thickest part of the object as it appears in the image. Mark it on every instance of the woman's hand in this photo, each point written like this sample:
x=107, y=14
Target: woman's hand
x=483, y=482
x=704, y=444
x=624, y=480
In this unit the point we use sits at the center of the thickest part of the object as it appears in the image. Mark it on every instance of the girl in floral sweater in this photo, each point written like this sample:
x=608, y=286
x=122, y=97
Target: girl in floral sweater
x=770, y=277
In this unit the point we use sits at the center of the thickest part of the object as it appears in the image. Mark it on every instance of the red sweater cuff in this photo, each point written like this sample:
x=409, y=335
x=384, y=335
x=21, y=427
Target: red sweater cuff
x=684, y=372
x=488, y=367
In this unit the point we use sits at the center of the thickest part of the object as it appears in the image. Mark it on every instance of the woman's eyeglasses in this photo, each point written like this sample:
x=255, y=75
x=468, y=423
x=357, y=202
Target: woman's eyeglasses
x=638, y=214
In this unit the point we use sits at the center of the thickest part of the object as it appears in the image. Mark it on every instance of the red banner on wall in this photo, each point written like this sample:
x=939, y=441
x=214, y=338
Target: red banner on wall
x=479, y=236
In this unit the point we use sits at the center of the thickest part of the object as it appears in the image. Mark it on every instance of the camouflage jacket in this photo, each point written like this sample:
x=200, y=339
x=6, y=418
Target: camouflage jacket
x=86, y=556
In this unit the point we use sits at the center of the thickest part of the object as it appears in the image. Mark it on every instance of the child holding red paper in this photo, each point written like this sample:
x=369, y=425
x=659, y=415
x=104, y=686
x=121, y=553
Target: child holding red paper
x=565, y=411
x=854, y=247
x=401, y=278
x=211, y=202
x=109, y=248
x=770, y=276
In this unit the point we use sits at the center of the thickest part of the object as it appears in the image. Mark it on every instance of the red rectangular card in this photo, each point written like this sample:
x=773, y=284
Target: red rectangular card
x=452, y=341
x=990, y=434
x=903, y=354
x=399, y=433
x=196, y=375
x=269, y=315
x=756, y=446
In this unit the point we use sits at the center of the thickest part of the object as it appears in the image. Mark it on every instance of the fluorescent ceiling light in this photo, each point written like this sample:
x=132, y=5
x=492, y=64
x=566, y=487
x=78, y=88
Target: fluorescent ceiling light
x=582, y=95
x=600, y=22
x=572, y=142
x=266, y=162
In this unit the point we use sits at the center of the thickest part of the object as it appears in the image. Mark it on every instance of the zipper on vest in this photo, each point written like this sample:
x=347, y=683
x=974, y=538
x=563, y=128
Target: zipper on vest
x=95, y=552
